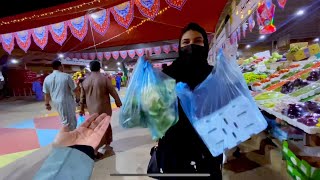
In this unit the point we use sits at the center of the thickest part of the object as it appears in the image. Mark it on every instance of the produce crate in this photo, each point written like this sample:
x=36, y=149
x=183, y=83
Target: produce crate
x=297, y=168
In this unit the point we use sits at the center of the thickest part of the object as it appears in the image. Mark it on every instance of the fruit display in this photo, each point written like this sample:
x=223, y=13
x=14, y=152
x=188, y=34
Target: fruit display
x=304, y=90
x=295, y=111
x=313, y=76
x=251, y=77
x=309, y=120
x=249, y=60
x=290, y=91
x=268, y=95
x=307, y=65
x=289, y=74
x=275, y=57
x=290, y=86
x=275, y=75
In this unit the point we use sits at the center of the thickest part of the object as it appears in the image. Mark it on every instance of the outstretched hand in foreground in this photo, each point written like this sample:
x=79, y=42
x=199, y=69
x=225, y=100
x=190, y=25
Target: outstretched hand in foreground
x=89, y=133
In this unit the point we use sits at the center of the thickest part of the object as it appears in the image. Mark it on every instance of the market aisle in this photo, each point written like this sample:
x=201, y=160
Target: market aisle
x=131, y=148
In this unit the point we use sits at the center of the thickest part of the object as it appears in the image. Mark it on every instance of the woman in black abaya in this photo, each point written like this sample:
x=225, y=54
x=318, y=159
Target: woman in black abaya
x=181, y=150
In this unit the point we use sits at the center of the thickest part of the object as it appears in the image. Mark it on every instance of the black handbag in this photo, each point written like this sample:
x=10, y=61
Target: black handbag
x=153, y=167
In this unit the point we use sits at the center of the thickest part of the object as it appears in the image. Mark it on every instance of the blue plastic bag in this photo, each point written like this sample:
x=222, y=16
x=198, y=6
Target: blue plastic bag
x=81, y=120
x=151, y=101
x=221, y=108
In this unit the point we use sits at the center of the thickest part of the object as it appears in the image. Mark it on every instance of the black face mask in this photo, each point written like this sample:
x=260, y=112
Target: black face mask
x=193, y=54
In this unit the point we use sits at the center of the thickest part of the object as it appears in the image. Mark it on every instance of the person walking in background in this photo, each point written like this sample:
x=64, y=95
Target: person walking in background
x=59, y=88
x=37, y=88
x=95, y=91
x=118, y=82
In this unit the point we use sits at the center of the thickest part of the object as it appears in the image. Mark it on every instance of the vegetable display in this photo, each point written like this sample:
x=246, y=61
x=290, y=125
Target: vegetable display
x=251, y=77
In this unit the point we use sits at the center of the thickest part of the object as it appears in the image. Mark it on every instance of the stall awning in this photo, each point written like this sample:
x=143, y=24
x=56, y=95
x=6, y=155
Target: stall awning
x=166, y=26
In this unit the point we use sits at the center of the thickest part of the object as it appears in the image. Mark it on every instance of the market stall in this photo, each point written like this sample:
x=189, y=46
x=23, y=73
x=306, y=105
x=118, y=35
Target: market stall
x=279, y=54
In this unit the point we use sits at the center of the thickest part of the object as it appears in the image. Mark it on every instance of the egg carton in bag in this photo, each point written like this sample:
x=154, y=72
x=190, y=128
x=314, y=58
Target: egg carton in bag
x=230, y=125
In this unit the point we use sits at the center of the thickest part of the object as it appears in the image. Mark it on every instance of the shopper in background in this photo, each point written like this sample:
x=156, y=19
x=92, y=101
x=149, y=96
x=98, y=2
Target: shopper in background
x=118, y=82
x=59, y=88
x=95, y=91
x=181, y=150
x=73, y=151
x=37, y=88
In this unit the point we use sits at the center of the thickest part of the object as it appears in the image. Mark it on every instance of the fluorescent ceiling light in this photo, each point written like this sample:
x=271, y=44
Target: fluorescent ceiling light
x=300, y=12
x=262, y=37
x=316, y=40
x=14, y=61
x=248, y=46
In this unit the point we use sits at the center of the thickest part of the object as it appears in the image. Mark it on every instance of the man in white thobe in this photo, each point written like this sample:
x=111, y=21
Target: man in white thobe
x=59, y=87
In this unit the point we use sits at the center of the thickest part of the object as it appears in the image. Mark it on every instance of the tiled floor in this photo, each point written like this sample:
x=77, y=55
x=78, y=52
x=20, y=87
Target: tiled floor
x=21, y=137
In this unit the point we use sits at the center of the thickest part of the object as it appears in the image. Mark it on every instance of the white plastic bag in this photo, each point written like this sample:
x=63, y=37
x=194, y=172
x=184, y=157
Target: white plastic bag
x=221, y=108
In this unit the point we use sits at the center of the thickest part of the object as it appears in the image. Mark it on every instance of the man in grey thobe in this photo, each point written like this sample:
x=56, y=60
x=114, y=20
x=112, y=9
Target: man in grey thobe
x=59, y=87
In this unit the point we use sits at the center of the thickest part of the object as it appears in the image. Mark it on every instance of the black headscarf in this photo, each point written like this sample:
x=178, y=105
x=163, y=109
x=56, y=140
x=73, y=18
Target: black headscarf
x=190, y=67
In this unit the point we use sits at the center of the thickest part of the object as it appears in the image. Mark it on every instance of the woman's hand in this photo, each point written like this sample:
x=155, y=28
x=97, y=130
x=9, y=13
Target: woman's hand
x=89, y=133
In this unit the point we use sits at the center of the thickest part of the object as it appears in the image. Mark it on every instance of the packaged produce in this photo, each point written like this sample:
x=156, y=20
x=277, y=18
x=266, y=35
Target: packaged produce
x=304, y=90
x=151, y=101
x=268, y=95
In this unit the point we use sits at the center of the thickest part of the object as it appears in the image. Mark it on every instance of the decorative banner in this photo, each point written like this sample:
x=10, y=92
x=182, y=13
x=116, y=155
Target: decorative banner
x=131, y=53
x=85, y=55
x=234, y=38
x=100, y=21
x=40, y=36
x=107, y=55
x=157, y=50
x=123, y=13
x=92, y=56
x=77, y=55
x=7, y=42
x=282, y=3
x=268, y=3
x=178, y=4
x=23, y=39
x=123, y=54
x=175, y=47
x=265, y=17
x=59, y=32
x=71, y=55
x=244, y=29
x=148, y=50
x=148, y=8
x=115, y=54
x=140, y=52
x=166, y=49
x=79, y=27
x=251, y=23
x=100, y=56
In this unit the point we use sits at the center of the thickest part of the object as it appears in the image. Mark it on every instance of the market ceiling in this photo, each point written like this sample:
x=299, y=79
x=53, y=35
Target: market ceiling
x=166, y=26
